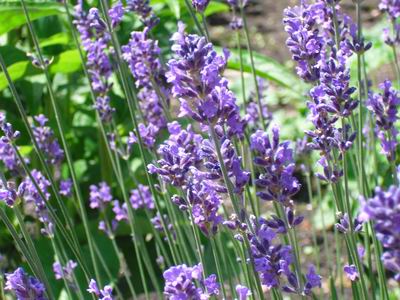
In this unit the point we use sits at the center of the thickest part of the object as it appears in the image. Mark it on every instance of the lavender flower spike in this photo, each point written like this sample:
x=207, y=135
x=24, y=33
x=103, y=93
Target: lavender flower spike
x=180, y=283
x=24, y=286
x=101, y=294
x=243, y=292
x=210, y=102
x=384, y=210
x=384, y=107
x=276, y=159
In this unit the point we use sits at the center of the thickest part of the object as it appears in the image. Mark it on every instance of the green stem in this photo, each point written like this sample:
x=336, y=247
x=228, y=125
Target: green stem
x=218, y=265
x=64, y=143
x=253, y=68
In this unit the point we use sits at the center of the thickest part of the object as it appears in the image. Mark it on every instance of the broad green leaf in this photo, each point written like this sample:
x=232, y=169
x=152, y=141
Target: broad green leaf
x=66, y=62
x=12, y=54
x=61, y=38
x=13, y=16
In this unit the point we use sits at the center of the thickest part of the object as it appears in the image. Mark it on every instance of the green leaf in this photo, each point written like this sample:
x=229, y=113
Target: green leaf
x=175, y=7
x=61, y=38
x=12, y=54
x=13, y=16
x=66, y=62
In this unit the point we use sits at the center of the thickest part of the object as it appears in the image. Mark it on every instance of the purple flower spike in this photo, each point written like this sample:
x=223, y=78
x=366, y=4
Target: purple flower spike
x=9, y=193
x=142, y=198
x=271, y=260
x=180, y=283
x=47, y=142
x=104, y=294
x=100, y=195
x=33, y=196
x=305, y=41
x=66, y=272
x=95, y=41
x=66, y=187
x=210, y=102
x=276, y=159
x=313, y=280
x=351, y=272
x=142, y=55
x=116, y=13
x=180, y=152
x=8, y=155
x=384, y=107
x=391, y=7
x=24, y=286
x=384, y=210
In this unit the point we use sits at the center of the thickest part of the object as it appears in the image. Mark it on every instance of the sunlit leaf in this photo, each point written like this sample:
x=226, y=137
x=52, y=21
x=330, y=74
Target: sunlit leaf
x=13, y=16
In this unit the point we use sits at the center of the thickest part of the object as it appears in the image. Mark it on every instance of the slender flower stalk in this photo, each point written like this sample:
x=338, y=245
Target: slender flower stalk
x=63, y=139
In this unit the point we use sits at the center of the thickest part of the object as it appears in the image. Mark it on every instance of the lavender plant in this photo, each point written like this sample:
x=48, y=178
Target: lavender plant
x=211, y=184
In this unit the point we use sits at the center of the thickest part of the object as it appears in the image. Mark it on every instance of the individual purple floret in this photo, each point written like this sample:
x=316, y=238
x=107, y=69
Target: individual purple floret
x=384, y=210
x=24, y=286
x=305, y=40
x=33, y=196
x=276, y=160
x=95, y=41
x=66, y=187
x=195, y=76
x=141, y=198
x=100, y=195
x=384, y=108
x=104, y=294
x=243, y=292
x=182, y=282
x=116, y=12
x=200, y=5
x=47, y=142
x=351, y=272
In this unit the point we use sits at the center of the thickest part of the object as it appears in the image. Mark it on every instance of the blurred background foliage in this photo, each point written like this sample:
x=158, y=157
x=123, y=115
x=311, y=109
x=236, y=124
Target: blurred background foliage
x=286, y=95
